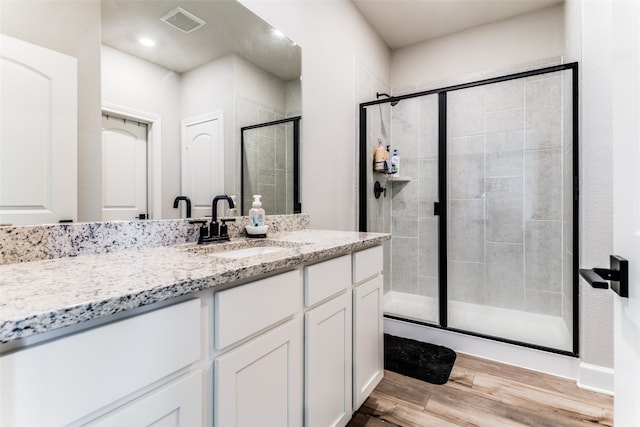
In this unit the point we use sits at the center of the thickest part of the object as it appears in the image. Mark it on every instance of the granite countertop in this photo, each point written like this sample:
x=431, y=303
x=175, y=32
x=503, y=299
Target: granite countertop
x=42, y=296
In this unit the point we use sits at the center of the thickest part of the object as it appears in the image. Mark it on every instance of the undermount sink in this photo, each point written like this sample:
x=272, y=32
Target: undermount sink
x=248, y=252
x=238, y=249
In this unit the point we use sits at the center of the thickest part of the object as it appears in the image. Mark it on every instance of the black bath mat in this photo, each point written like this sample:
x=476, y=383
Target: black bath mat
x=423, y=361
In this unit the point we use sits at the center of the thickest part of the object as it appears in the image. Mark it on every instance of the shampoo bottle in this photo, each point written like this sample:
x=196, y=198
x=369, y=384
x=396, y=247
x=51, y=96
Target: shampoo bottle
x=256, y=213
x=395, y=163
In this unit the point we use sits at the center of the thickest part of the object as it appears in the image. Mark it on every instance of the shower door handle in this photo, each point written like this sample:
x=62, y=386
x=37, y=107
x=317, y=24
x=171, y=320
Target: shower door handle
x=436, y=208
x=617, y=273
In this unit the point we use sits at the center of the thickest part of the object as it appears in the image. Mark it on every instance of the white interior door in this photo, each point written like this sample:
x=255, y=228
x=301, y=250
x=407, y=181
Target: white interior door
x=626, y=207
x=124, y=169
x=202, y=161
x=38, y=134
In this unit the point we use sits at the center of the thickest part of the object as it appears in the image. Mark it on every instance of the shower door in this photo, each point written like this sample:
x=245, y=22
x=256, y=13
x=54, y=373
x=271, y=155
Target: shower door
x=414, y=247
x=403, y=204
x=509, y=187
x=483, y=212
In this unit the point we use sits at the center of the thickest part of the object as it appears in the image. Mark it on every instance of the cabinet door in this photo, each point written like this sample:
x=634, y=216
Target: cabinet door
x=178, y=404
x=368, y=339
x=260, y=382
x=328, y=363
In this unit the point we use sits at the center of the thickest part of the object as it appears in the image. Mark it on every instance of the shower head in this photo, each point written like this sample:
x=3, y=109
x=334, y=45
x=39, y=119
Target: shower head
x=393, y=103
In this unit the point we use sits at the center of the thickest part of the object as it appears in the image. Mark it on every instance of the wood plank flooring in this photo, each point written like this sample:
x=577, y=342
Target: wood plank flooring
x=483, y=393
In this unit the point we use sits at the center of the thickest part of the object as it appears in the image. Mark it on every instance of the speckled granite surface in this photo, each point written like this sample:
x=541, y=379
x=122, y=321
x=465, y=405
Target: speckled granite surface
x=39, y=242
x=41, y=296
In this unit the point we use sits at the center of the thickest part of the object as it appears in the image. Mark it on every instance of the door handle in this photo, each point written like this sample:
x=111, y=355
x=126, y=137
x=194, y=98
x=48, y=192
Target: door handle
x=617, y=274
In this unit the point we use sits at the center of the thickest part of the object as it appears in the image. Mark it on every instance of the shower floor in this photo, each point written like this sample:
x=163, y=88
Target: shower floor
x=531, y=328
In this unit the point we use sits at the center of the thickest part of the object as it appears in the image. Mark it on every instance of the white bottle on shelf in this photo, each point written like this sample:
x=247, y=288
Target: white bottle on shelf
x=395, y=163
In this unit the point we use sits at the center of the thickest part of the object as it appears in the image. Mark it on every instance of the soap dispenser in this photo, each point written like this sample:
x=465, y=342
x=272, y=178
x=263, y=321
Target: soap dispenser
x=256, y=213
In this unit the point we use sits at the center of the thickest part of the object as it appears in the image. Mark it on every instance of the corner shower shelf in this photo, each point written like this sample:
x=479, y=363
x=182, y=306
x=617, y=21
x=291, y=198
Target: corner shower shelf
x=400, y=179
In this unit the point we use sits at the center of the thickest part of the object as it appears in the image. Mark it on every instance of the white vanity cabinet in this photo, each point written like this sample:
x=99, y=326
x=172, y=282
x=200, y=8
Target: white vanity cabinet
x=368, y=335
x=99, y=371
x=328, y=332
x=259, y=382
x=299, y=348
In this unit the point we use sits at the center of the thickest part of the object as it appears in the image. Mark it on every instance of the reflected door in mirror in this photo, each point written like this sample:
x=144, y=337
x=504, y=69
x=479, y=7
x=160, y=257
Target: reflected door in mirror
x=124, y=169
x=202, y=161
x=38, y=140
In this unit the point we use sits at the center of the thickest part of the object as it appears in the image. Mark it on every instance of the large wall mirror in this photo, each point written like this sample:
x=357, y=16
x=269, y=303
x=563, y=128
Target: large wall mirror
x=176, y=81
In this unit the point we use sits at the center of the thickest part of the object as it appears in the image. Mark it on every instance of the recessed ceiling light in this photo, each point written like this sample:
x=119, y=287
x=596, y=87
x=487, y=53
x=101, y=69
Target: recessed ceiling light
x=146, y=41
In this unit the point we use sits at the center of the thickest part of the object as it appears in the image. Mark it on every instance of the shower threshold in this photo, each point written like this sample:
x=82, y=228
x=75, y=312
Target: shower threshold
x=519, y=326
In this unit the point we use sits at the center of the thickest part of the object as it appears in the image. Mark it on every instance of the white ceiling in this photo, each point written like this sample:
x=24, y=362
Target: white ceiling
x=230, y=28
x=401, y=23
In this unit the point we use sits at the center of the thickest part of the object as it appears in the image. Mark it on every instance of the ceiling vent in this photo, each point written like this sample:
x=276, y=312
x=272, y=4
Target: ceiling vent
x=182, y=20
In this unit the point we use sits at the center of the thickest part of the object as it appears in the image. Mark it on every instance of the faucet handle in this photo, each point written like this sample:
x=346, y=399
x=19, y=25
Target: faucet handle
x=204, y=230
x=224, y=231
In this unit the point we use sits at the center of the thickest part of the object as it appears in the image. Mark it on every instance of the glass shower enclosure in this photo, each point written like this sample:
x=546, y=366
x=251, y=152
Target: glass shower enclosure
x=483, y=211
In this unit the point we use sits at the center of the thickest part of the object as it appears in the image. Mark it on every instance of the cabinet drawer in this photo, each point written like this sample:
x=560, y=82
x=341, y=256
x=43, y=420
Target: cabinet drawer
x=63, y=380
x=177, y=404
x=367, y=263
x=247, y=309
x=326, y=279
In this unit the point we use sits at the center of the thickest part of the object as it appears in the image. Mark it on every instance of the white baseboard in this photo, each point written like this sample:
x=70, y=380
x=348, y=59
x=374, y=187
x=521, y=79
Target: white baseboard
x=596, y=378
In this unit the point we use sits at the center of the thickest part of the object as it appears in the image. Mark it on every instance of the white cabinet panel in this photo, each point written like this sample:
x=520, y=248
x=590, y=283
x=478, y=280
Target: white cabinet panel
x=368, y=339
x=367, y=263
x=260, y=382
x=178, y=404
x=66, y=379
x=242, y=311
x=328, y=390
x=326, y=279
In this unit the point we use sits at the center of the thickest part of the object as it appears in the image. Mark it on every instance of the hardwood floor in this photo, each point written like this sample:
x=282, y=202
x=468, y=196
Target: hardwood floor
x=483, y=393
